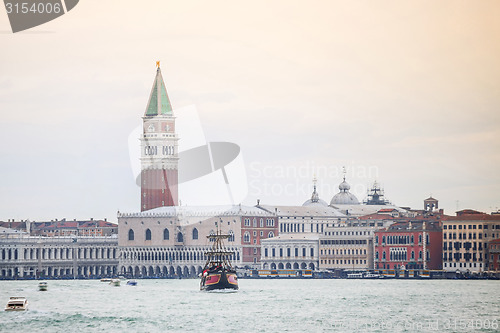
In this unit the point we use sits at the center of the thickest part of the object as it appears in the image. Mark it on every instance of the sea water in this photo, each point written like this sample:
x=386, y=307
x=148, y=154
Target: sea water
x=265, y=305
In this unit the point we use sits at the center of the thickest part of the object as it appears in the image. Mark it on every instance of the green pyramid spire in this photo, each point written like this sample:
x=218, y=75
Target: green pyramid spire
x=159, y=104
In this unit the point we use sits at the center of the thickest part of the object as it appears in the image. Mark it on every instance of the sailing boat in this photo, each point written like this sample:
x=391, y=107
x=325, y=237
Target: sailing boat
x=218, y=272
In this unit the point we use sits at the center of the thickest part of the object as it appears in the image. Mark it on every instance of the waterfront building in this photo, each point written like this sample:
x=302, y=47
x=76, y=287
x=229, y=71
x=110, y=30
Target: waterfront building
x=172, y=241
x=304, y=219
x=159, y=150
x=24, y=257
x=347, y=248
x=63, y=227
x=465, y=240
x=89, y=228
x=290, y=251
x=494, y=255
x=410, y=244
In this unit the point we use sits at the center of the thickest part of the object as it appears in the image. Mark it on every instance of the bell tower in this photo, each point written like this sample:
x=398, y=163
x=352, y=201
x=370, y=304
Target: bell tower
x=159, y=151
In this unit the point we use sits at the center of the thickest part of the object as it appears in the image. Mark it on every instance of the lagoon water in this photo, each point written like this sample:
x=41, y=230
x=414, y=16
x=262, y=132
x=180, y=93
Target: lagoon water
x=259, y=306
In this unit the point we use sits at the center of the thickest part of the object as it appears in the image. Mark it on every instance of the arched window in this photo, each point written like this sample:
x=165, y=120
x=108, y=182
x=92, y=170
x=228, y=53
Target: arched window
x=270, y=235
x=412, y=254
x=180, y=239
x=131, y=235
x=412, y=239
x=246, y=237
x=383, y=239
x=420, y=239
x=376, y=255
x=195, y=233
x=148, y=234
x=212, y=233
x=166, y=234
x=231, y=236
x=383, y=255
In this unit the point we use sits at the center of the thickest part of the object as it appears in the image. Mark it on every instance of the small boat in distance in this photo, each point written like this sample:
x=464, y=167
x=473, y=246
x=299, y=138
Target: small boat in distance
x=115, y=282
x=17, y=303
x=218, y=272
x=42, y=286
x=106, y=280
x=131, y=283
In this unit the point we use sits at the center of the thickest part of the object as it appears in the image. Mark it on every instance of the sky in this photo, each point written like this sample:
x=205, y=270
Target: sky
x=405, y=93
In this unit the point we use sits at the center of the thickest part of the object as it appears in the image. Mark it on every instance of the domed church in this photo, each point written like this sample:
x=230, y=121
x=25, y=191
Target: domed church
x=344, y=197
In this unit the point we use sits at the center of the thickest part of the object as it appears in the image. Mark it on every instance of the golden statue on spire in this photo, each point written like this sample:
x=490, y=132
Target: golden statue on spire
x=158, y=64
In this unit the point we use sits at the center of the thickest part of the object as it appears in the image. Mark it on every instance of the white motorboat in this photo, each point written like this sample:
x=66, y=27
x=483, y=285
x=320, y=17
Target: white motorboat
x=17, y=303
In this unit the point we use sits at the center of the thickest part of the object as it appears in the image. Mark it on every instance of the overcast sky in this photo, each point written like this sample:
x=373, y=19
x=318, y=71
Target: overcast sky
x=403, y=92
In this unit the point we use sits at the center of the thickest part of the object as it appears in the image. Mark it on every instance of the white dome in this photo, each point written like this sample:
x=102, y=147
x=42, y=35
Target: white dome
x=319, y=203
x=344, y=197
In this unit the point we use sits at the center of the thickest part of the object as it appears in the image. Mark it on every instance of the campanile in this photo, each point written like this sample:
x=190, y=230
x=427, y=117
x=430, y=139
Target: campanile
x=159, y=151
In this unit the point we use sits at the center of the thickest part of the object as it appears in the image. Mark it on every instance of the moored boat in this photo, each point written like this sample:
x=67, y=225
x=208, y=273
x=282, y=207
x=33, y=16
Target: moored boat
x=115, y=282
x=218, y=272
x=17, y=303
x=42, y=286
x=131, y=283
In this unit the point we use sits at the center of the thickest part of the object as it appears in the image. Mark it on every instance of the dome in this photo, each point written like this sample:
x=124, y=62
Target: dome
x=318, y=203
x=344, y=186
x=344, y=197
x=315, y=200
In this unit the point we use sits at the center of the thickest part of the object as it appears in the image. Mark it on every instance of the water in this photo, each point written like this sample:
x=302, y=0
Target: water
x=259, y=306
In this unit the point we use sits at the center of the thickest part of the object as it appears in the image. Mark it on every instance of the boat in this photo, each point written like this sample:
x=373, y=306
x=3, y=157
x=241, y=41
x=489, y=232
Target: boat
x=372, y=276
x=131, y=283
x=17, y=303
x=218, y=273
x=355, y=275
x=42, y=286
x=106, y=280
x=115, y=282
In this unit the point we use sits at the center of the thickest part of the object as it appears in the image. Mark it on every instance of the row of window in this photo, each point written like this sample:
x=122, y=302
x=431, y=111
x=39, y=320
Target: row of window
x=466, y=245
x=170, y=256
x=347, y=233
x=269, y=222
x=463, y=235
x=342, y=241
x=466, y=256
x=59, y=253
x=288, y=252
x=343, y=262
x=246, y=236
x=470, y=226
x=179, y=237
x=343, y=251
x=401, y=256
x=295, y=227
x=401, y=240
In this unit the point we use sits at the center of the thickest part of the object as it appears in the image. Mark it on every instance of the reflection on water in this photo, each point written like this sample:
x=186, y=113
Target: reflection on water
x=259, y=306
